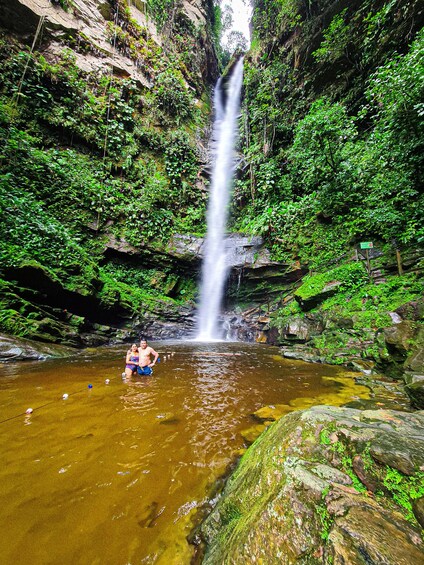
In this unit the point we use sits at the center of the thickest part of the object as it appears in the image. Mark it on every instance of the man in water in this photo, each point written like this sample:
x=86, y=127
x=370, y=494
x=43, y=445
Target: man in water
x=145, y=353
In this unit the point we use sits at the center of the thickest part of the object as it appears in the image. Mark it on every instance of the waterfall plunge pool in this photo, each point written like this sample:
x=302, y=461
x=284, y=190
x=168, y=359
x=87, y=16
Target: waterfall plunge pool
x=117, y=473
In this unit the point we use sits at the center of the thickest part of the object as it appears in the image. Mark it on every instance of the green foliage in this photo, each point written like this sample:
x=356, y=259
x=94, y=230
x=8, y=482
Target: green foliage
x=217, y=23
x=318, y=152
x=325, y=518
x=324, y=437
x=180, y=161
x=13, y=322
x=336, y=39
x=362, y=182
x=369, y=305
x=29, y=233
x=404, y=489
x=160, y=10
x=113, y=292
x=352, y=276
x=330, y=344
x=172, y=97
x=272, y=17
x=80, y=157
x=280, y=318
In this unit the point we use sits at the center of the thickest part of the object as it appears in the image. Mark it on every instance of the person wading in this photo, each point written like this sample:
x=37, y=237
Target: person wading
x=145, y=362
x=131, y=361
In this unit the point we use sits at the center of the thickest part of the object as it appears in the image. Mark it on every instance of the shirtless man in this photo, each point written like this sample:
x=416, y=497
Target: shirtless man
x=145, y=362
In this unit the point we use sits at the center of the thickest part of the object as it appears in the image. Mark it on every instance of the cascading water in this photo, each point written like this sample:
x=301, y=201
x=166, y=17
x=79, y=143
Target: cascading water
x=215, y=267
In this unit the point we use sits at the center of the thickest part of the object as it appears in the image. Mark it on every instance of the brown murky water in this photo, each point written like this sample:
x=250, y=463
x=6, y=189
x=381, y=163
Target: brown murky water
x=114, y=474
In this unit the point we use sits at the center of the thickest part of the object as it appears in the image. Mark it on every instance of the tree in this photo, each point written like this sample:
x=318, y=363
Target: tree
x=236, y=42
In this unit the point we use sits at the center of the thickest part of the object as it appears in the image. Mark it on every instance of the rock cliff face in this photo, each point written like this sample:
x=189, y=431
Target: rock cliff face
x=84, y=27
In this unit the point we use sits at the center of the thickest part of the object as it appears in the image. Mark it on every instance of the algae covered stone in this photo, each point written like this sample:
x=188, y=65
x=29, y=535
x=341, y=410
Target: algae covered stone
x=296, y=498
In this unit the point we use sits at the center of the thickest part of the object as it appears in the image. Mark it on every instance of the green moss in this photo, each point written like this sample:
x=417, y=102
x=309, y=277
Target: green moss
x=404, y=489
x=369, y=305
x=280, y=318
x=15, y=323
x=325, y=518
x=324, y=437
x=351, y=275
x=400, y=488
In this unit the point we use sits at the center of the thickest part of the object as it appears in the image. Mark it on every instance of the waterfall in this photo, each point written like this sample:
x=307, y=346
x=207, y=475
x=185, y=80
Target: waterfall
x=215, y=267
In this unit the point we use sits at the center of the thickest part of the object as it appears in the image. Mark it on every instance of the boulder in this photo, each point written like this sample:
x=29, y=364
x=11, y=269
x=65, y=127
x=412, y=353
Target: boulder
x=313, y=299
x=301, y=330
x=399, y=338
x=414, y=370
x=302, y=353
x=413, y=310
x=302, y=492
x=414, y=387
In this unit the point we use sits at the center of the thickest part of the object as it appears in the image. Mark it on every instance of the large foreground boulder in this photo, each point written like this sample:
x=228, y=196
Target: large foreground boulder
x=325, y=485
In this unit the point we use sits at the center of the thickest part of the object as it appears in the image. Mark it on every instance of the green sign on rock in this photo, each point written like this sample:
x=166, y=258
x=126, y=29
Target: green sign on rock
x=366, y=245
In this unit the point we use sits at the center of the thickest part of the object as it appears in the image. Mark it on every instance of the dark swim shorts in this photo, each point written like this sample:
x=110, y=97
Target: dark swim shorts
x=144, y=370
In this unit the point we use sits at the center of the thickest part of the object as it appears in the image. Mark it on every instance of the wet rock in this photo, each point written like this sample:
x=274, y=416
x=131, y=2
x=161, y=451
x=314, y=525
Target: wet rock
x=396, y=319
x=272, y=413
x=366, y=367
x=19, y=349
x=371, y=534
x=412, y=310
x=415, y=360
x=418, y=510
x=294, y=497
x=415, y=389
x=302, y=329
x=364, y=474
x=185, y=247
x=399, y=337
x=338, y=322
x=307, y=354
x=414, y=374
x=251, y=434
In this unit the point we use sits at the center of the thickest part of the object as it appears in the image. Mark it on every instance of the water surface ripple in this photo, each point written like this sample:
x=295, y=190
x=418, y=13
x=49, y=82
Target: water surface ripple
x=115, y=474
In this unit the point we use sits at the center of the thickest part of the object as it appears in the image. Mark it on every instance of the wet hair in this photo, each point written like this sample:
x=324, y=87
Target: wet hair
x=133, y=345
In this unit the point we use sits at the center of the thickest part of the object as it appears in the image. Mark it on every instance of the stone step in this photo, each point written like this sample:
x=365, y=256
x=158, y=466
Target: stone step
x=377, y=276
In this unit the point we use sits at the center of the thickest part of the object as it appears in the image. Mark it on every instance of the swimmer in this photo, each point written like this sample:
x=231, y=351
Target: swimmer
x=131, y=361
x=145, y=363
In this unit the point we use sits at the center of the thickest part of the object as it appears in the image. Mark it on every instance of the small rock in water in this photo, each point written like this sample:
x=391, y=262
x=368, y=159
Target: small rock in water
x=65, y=396
x=107, y=381
x=29, y=411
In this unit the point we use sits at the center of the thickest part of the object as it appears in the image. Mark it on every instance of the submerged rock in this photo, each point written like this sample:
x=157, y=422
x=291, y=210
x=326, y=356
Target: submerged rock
x=302, y=492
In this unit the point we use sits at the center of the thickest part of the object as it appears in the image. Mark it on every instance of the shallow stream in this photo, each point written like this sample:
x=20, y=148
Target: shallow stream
x=116, y=473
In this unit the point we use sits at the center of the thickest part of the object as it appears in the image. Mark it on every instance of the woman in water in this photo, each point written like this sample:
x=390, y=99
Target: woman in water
x=131, y=361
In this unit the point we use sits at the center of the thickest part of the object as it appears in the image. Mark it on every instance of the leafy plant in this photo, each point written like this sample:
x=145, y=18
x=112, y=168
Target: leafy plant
x=336, y=39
